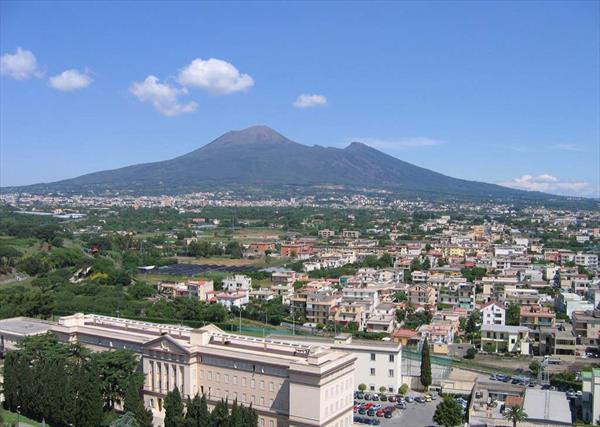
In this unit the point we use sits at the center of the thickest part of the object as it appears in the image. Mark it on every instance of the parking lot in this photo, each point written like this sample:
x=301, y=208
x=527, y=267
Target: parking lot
x=415, y=414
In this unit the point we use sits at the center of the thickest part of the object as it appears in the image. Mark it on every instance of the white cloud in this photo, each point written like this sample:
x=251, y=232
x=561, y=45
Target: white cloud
x=70, y=80
x=400, y=143
x=20, y=66
x=163, y=97
x=550, y=184
x=567, y=147
x=215, y=76
x=309, y=101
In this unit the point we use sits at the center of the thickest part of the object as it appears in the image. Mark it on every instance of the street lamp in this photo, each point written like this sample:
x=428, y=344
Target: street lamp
x=18, y=415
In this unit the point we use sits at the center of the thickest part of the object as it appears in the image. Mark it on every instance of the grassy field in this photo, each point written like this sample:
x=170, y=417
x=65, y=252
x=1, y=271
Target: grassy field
x=10, y=418
x=221, y=261
x=254, y=234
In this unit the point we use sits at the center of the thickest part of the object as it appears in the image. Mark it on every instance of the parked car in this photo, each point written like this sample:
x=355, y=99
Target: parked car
x=401, y=405
x=359, y=395
x=376, y=407
x=388, y=414
x=374, y=422
x=380, y=413
x=419, y=399
x=392, y=398
x=409, y=399
x=375, y=397
x=493, y=377
x=371, y=412
x=367, y=396
x=362, y=411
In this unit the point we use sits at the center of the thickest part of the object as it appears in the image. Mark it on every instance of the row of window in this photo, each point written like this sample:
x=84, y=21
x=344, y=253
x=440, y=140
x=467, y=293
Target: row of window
x=391, y=357
x=390, y=372
x=216, y=377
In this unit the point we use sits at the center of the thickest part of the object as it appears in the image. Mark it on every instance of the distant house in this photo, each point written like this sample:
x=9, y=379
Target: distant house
x=501, y=338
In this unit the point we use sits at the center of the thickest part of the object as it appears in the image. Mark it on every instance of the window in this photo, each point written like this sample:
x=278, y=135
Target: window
x=235, y=380
x=262, y=401
x=261, y=385
x=392, y=358
x=372, y=387
x=244, y=397
x=226, y=379
x=243, y=381
x=372, y=356
x=271, y=423
x=271, y=388
x=252, y=383
x=390, y=373
x=210, y=375
x=372, y=371
x=262, y=422
x=218, y=377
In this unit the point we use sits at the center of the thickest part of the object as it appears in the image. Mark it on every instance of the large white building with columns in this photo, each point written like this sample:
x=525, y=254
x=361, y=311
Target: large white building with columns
x=289, y=384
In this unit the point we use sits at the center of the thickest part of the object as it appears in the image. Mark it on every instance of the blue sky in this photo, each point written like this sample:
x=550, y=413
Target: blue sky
x=503, y=92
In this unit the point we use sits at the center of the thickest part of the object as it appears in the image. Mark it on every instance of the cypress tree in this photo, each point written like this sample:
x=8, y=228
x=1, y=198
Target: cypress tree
x=219, y=417
x=174, y=409
x=249, y=417
x=425, y=365
x=197, y=414
x=134, y=403
x=87, y=408
x=235, y=418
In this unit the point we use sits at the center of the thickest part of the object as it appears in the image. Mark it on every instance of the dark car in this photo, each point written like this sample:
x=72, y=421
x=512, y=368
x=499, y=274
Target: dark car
x=409, y=399
x=375, y=398
x=401, y=405
x=506, y=379
x=367, y=396
x=383, y=397
x=371, y=412
x=419, y=399
x=359, y=395
x=388, y=414
x=362, y=411
x=374, y=422
x=392, y=398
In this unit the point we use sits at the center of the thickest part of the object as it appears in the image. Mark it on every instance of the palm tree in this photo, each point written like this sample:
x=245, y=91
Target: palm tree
x=515, y=414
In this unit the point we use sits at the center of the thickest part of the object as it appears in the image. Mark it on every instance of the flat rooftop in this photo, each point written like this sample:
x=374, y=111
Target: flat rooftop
x=547, y=405
x=25, y=326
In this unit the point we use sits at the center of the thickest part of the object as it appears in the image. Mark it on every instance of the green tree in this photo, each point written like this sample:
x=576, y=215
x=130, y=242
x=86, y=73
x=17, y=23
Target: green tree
x=134, y=403
x=513, y=314
x=86, y=400
x=362, y=387
x=471, y=352
x=197, y=414
x=534, y=367
x=249, y=417
x=174, y=409
x=425, y=365
x=219, y=417
x=403, y=389
x=115, y=370
x=448, y=413
x=515, y=414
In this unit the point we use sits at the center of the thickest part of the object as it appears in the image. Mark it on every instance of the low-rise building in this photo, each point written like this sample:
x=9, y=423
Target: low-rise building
x=493, y=313
x=502, y=338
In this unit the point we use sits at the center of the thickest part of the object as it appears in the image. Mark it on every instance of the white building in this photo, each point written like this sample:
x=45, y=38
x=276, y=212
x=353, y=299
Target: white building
x=493, y=313
x=236, y=283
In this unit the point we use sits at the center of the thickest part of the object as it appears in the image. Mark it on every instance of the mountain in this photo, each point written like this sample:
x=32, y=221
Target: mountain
x=260, y=157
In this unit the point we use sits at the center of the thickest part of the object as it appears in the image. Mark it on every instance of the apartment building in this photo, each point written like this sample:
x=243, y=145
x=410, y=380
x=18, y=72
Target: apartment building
x=536, y=316
x=493, y=313
x=320, y=307
x=586, y=326
x=237, y=283
x=422, y=295
x=591, y=396
x=326, y=233
x=500, y=338
x=289, y=384
x=587, y=260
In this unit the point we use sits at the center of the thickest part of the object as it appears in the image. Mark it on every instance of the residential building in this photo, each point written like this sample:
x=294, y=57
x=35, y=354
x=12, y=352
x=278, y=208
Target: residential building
x=422, y=294
x=493, y=313
x=586, y=327
x=558, y=340
x=237, y=283
x=502, y=338
x=326, y=233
